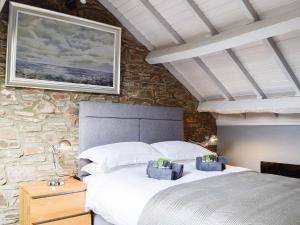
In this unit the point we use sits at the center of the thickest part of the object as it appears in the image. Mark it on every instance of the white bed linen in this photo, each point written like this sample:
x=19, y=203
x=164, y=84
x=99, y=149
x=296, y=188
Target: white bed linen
x=120, y=196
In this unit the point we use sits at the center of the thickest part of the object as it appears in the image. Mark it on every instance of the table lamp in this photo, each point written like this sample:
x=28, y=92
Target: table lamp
x=209, y=141
x=55, y=150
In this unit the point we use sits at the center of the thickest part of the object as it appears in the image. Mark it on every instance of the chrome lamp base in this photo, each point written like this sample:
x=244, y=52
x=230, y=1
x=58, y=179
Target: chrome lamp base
x=56, y=182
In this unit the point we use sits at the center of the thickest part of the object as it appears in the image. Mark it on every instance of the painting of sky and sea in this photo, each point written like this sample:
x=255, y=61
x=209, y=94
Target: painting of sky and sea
x=52, y=50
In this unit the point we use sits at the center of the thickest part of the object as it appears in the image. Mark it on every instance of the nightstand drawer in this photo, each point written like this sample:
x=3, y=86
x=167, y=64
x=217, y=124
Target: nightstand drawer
x=59, y=206
x=78, y=220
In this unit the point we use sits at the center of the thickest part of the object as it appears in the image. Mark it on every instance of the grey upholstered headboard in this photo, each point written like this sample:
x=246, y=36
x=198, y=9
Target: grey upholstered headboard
x=106, y=123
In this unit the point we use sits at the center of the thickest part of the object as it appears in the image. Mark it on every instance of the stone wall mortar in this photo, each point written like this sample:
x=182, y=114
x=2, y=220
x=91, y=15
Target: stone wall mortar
x=32, y=119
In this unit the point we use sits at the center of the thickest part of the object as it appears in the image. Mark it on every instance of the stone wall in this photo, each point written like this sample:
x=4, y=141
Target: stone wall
x=31, y=119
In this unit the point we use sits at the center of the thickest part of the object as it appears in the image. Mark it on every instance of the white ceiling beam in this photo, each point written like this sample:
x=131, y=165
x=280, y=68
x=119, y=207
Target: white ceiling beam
x=141, y=38
x=212, y=29
x=285, y=105
x=284, y=65
x=263, y=119
x=179, y=40
x=2, y=3
x=259, y=30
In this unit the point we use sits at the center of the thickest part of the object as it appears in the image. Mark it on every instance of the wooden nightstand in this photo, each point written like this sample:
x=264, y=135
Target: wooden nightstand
x=63, y=205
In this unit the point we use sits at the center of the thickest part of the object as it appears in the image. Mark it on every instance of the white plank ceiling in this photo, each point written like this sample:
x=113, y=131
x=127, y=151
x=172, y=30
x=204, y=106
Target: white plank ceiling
x=165, y=23
x=224, y=15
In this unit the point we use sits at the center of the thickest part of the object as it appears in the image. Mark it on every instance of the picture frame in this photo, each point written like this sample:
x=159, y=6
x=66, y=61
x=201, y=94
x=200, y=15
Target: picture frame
x=51, y=50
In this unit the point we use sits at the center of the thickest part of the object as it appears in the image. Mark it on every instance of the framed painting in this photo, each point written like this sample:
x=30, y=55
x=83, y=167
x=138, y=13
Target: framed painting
x=51, y=50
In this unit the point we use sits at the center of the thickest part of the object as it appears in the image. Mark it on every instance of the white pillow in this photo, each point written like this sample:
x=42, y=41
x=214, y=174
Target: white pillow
x=92, y=168
x=120, y=154
x=180, y=150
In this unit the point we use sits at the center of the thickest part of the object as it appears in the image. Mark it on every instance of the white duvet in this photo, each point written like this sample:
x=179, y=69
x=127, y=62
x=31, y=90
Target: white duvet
x=120, y=196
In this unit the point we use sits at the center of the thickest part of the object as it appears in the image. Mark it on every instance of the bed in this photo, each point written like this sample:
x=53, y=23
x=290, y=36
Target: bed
x=106, y=123
x=128, y=197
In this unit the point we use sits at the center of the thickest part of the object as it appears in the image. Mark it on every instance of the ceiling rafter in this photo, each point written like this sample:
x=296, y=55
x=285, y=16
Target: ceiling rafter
x=141, y=38
x=2, y=3
x=180, y=77
x=179, y=40
x=213, y=78
x=210, y=27
x=259, y=92
x=127, y=24
x=286, y=68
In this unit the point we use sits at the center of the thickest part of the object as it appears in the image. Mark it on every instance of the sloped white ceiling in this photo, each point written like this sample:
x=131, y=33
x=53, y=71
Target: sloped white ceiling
x=224, y=15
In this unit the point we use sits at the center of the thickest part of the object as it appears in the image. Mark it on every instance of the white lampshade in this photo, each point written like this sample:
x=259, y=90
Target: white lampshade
x=210, y=141
x=64, y=144
x=213, y=140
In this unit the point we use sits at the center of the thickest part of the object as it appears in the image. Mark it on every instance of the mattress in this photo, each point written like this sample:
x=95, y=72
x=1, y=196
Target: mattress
x=120, y=196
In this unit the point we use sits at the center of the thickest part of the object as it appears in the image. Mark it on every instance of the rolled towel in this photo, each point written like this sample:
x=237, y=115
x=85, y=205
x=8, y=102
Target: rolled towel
x=178, y=169
x=210, y=166
x=173, y=173
x=159, y=173
x=222, y=159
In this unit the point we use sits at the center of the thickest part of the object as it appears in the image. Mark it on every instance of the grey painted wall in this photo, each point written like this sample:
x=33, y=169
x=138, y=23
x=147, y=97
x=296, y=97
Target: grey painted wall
x=247, y=146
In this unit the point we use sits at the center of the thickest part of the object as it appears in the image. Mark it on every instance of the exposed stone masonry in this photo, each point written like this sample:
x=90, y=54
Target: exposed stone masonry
x=31, y=119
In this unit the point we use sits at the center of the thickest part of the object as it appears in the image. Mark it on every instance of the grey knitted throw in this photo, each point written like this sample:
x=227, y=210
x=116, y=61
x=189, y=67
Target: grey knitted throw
x=245, y=198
